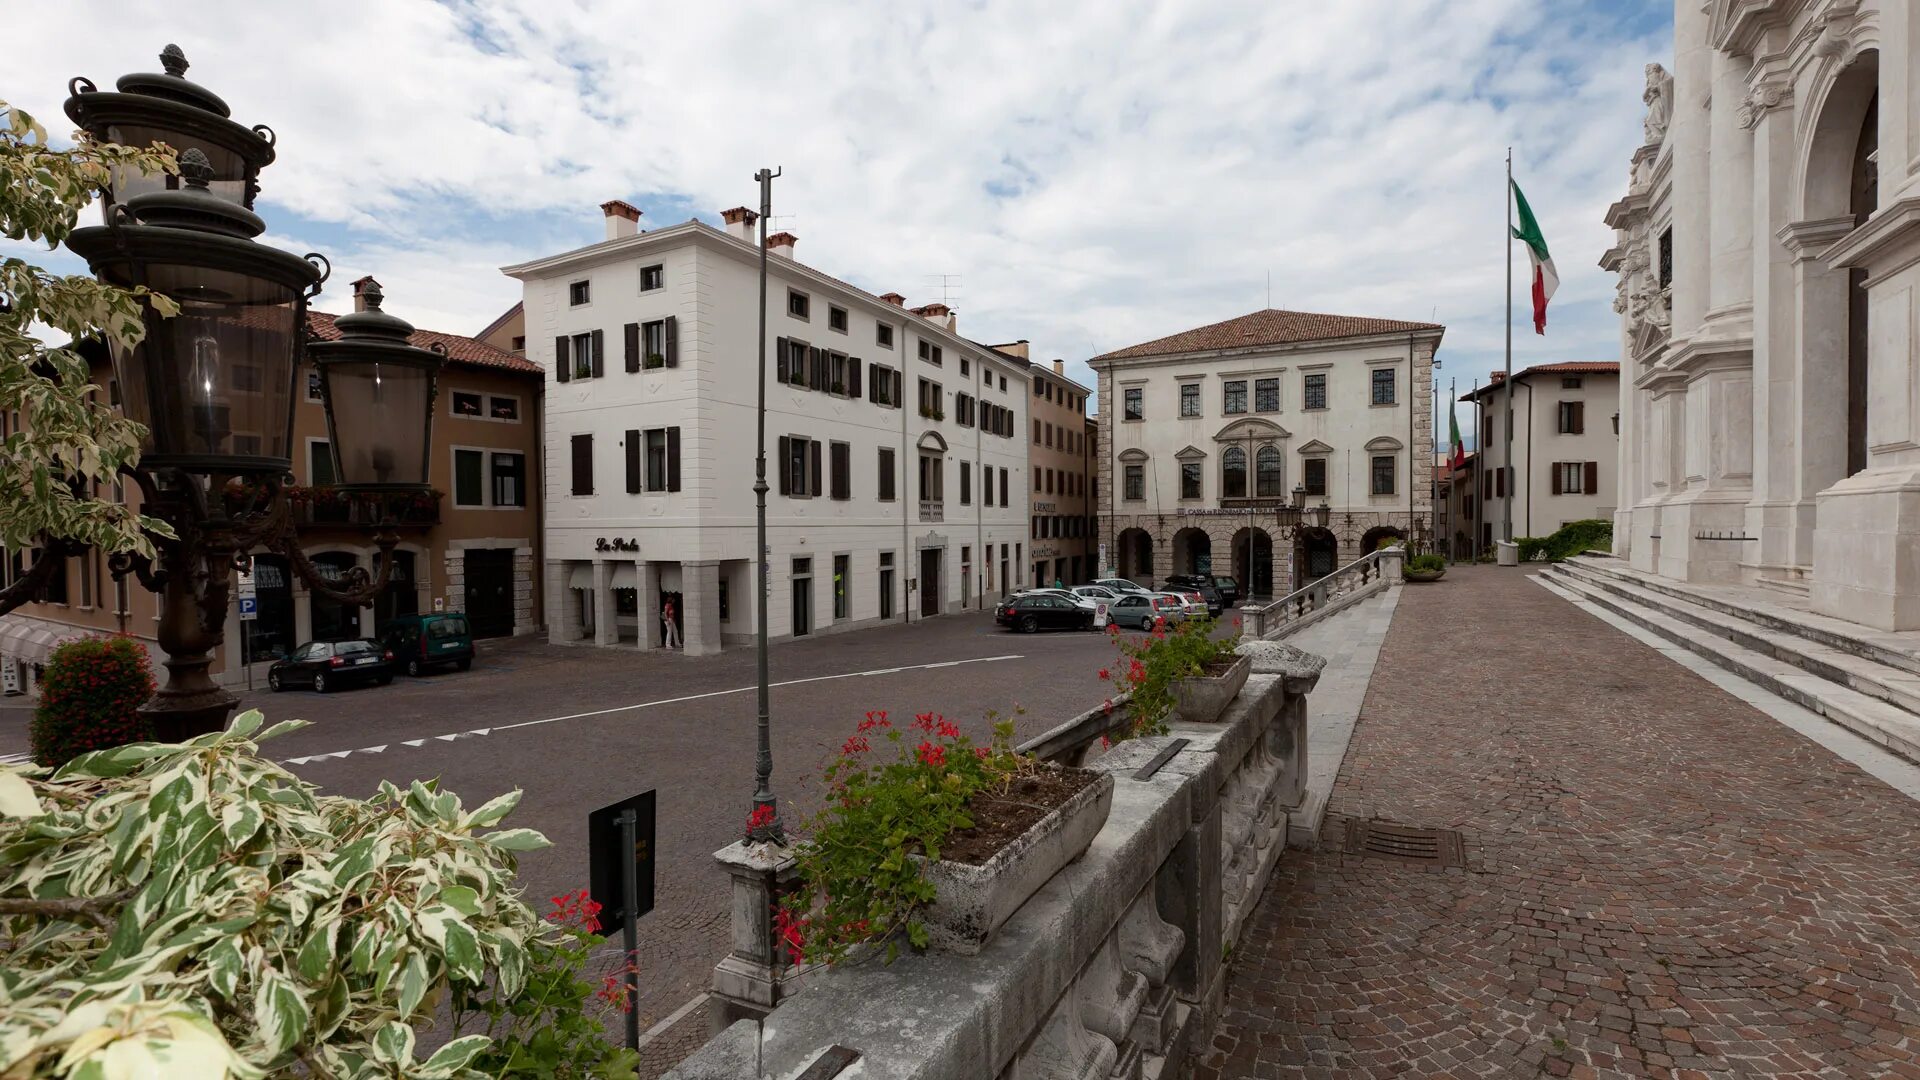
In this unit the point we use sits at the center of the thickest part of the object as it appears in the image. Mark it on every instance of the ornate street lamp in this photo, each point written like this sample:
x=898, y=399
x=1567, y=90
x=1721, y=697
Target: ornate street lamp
x=214, y=384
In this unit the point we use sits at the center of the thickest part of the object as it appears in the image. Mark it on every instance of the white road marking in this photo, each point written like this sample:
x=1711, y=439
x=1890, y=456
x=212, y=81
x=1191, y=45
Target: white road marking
x=478, y=732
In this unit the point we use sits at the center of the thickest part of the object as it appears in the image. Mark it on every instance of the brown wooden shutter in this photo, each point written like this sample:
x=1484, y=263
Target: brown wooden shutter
x=673, y=458
x=842, y=465
x=1579, y=418
x=853, y=376
x=815, y=361
x=786, y=475
x=1558, y=469
x=599, y=353
x=633, y=460
x=583, y=464
x=633, y=346
x=562, y=363
x=780, y=362
x=1593, y=478
x=1486, y=483
x=673, y=341
x=813, y=467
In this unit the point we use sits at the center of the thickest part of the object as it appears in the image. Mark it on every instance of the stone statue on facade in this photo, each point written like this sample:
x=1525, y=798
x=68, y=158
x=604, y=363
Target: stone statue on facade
x=1659, y=99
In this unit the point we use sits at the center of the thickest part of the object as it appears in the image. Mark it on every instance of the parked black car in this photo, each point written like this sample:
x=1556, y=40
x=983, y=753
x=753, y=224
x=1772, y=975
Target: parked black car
x=325, y=665
x=1029, y=612
x=1202, y=584
x=1229, y=590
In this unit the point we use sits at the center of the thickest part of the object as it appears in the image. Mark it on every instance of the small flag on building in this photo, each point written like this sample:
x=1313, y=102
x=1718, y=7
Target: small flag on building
x=1545, y=280
x=1459, y=449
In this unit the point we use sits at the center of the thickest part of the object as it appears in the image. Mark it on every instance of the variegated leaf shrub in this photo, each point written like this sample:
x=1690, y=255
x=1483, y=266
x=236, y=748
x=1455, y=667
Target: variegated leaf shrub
x=194, y=909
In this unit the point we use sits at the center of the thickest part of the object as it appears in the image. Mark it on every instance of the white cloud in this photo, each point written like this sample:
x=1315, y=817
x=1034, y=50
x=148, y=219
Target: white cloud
x=1097, y=173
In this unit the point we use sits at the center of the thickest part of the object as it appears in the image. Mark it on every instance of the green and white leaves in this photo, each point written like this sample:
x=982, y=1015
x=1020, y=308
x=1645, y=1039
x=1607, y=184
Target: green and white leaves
x=202, y=877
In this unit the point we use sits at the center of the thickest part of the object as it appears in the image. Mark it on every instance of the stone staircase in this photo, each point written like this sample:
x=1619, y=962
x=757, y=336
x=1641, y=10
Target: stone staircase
x=1862, y=679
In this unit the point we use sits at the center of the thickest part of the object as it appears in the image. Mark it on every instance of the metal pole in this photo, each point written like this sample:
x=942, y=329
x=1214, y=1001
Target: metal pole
x=769, y=829
x=629, y=900
x=1506, y=434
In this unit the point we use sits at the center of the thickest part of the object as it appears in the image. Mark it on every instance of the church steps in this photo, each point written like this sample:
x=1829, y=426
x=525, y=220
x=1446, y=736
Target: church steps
x=1873, y=718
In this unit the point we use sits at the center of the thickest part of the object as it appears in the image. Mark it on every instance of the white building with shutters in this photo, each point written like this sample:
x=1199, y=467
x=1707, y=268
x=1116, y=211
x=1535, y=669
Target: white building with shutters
x=1566, y=445
x=895, y=458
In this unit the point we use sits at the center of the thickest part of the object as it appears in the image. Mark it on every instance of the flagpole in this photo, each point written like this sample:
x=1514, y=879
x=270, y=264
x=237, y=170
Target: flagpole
x=1506, y=431
x=1479, y=463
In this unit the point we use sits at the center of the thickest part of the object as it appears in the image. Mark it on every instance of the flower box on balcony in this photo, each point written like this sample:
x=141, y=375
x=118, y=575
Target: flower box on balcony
x=1200, y=699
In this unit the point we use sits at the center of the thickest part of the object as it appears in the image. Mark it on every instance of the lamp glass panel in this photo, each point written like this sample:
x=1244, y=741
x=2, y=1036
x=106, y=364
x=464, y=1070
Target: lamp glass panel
x=378, y=413
x=229, y=168
x=216, y=379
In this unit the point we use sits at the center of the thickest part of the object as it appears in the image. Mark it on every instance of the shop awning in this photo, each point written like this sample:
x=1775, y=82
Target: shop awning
x=32, y=640
x=580, y=576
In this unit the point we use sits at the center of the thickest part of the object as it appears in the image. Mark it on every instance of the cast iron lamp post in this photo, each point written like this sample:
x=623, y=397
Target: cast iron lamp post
x=215, y=384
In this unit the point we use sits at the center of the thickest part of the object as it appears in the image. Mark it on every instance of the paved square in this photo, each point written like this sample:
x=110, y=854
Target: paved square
x=1660, y=880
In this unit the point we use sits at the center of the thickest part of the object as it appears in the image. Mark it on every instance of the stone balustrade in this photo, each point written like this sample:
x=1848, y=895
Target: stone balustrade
x=1113, y=969
x=1321, y=597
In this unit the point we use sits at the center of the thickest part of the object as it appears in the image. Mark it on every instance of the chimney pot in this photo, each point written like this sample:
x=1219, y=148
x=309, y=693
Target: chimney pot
x=893, y=298
x=360, y=292
x=781, y=243
x=1059, y=366
x=623, y=218
x=740, y=222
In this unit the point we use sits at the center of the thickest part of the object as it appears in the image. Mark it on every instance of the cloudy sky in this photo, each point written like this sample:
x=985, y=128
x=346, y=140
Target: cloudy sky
x=1086, y=175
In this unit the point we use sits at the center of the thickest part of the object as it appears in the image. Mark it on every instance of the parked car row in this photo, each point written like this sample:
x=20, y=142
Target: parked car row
x=1119, y=601
x=413, y=643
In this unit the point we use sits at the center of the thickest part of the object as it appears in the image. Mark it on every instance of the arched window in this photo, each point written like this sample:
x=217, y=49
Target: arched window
x=1267, y=472
x=1233, y=473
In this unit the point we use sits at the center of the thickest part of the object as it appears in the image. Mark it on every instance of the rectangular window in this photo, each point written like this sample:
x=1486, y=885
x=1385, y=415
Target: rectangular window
x=1135, y=408
x=1136, y=482
x=246, y=378
x=653, y=344
x=799, y=467
x=966, y=483
x=1036, y=431
x=1004, y=487
x=886, y=584
x=842, y=570
x=1266, y=395
x=583, y=356
x=797, y=304
x=1383, y=386
x=886, y=474
x=469, y=479
x=313, y=385
x=1666, y=257
x=964, y=367
x=1383, y=474
x=1190, y=480
x=652, y=277
x=1313, y=392
x=1569, y=382
x=986, y=485
x=1569, y=478
x=582, y=464
x=656, y=451
x=504, y=408
x=929, y=351
x=578, y=293
x=1313, y=474
x=931, y=400
x=883, y=335
x=520, y=343
x=465, y=404
x=840, y=472
x=509, y=479
x=1189, y=399
x=319, y=463
x=932, y=480
x=837, y=318
x=1048, y=441
x=1573, y=418
x=1236, y=396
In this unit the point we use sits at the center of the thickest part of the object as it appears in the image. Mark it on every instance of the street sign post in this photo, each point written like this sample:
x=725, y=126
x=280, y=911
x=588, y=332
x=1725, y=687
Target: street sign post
x=620, y=876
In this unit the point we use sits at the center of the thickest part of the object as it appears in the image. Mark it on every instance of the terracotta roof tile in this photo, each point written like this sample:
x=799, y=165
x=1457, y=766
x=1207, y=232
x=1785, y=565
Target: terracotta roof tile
x=460, y=350
x=1269, y=327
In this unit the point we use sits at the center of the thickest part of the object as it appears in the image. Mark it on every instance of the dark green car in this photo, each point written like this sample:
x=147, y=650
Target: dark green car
x=420, y=642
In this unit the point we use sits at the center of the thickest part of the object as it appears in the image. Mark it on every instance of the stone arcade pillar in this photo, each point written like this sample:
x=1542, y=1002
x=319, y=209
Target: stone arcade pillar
x=564, y=625
x=700, y=596
x=606, y=626
x=646, y=580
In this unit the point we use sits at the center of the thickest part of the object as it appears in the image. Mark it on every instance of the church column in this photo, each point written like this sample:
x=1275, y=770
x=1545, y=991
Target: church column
x=1688, y=137
x=1777, y=515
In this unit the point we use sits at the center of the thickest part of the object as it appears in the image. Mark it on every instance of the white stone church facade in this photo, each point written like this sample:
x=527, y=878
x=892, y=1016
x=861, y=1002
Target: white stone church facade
x=1768, y=249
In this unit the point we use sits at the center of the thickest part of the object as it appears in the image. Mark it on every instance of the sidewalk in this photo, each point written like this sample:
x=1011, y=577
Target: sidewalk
x=1659, y=879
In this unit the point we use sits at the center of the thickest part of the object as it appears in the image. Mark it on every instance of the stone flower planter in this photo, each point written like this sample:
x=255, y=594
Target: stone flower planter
x=972, y=902
x=1202, y=698
x=1423, y=575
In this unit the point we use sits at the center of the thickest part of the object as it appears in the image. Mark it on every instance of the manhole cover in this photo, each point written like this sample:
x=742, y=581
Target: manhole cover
x=1439, y=847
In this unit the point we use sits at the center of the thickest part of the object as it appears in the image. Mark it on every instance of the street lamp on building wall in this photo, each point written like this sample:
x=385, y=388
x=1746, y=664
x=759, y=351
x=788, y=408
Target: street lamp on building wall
x=215, y=384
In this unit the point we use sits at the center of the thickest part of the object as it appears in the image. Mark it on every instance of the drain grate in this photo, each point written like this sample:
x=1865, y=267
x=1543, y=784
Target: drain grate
x=1438, y=847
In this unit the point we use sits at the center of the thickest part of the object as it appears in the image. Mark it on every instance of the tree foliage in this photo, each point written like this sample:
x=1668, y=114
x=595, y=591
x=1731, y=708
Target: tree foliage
x=195, y=903
x=73, y=446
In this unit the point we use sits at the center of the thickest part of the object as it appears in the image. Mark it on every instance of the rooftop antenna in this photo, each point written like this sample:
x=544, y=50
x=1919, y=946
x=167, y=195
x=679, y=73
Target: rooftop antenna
x=779, y=222
x=946, y=284
x=1269, y=290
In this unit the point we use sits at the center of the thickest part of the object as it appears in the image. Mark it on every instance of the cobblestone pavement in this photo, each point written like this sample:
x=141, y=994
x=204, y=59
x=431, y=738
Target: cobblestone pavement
x=1660, y=880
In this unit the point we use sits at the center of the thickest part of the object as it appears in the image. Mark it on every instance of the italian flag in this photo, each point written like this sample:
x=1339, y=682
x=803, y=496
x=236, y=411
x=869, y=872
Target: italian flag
x=1545, y=279
x=1459, y=449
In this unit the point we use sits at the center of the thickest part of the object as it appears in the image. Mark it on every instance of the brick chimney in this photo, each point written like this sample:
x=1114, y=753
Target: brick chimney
x=893, y=298
x=360, y=291
x=781, y=243
x=740, y=222
x=623, y=218
x=938, y=313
